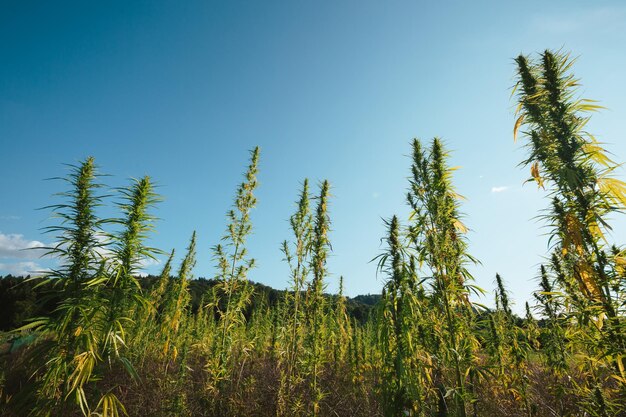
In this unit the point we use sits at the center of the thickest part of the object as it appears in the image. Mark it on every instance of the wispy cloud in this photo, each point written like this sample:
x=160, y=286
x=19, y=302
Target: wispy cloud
x=106, y=251
x=499, y=189
x=23, y=252
x=15, y=246
x=21, y=268
x=148, y=262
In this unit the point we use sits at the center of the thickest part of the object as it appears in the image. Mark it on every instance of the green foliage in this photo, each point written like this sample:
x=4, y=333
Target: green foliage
x=585, y=296
x=438, y=239
x=233, y=266
x=96, y=288
x=316, y=307
x=106, y=342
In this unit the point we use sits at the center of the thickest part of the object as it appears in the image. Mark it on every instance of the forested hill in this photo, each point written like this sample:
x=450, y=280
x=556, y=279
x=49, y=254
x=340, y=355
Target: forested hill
x=20, y=299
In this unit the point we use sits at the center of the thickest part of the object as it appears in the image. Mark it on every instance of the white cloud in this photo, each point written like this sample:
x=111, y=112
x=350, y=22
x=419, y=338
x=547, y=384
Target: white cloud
x=148, y=262
x=14, y=246
x=106, y=251
x=21, y=268
x=499, y=189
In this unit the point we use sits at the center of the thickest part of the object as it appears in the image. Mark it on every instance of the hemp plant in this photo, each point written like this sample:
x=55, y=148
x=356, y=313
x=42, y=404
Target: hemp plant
x=70, y=344
x=401, y=392
x=122, y=289
x=233, y=266
x=316, y=303
x=174, y=310
x=438, y=238
x=86, y=334
x=297, y=257
x=578, y=176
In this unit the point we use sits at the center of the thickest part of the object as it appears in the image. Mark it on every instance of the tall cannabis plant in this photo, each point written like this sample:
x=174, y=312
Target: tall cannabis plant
x=297, y=256
x=122, y=289
x=316, y=304
x=401, y=390
x=70, y=346
x=438, y=238
x=576, y=172
x=233, y=266
x=96, y=283
x=175, y=306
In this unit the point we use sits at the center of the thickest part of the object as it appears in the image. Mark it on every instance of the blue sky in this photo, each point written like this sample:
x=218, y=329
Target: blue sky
x=328, y=89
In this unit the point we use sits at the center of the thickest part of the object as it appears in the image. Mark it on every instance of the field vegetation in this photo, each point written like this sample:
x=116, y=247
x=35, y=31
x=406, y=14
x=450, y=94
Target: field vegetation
x=109, y=343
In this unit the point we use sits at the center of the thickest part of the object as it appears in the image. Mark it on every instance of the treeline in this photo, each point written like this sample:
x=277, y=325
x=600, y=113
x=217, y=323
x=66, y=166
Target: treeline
x=21, y=299
x=112, y=345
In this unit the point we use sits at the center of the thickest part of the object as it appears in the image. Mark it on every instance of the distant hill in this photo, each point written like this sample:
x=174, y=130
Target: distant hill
x=369, y=299
x=20, y=300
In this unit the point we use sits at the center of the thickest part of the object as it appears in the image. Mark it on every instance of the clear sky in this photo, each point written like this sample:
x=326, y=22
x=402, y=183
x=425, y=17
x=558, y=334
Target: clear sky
x=328, y=89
